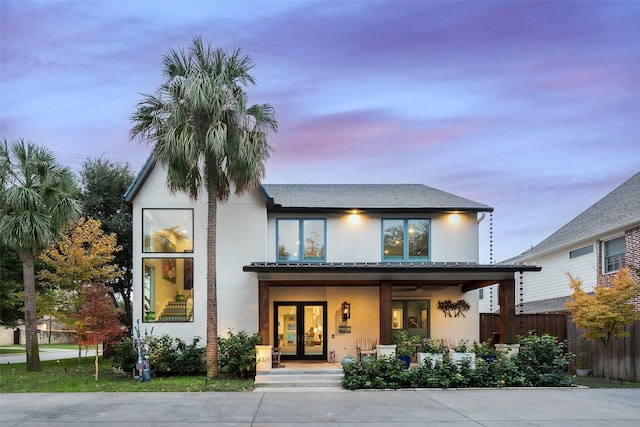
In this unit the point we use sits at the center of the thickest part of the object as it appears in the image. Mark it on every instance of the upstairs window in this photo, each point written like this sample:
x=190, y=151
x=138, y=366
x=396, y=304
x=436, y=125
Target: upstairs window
x=613, y=254
x=167, y=230
x=301, y=240
x=405, y=239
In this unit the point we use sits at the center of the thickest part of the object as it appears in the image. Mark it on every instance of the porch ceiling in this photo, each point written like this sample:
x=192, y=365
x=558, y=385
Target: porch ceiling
x=427, y=274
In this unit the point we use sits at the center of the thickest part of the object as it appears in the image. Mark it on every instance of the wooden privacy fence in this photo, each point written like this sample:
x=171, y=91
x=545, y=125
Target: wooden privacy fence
x=552, y=324
x=625, y=352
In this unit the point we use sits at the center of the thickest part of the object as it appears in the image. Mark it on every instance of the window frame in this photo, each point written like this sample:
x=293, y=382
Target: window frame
x=301, y=241
x=582, y=251
x=613, y=262
x=149, y=261
x=405, y=230
x=147, y=251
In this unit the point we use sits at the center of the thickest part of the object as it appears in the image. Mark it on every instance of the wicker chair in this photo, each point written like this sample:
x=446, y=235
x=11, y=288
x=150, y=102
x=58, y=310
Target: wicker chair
x=366, y=347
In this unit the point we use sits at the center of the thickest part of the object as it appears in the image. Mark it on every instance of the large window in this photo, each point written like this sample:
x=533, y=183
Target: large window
x=405, y=239
x=301, y=239
x=411, y=315
x=167, y=230
x=167, y=283
x=613, y=254
x=168, y=290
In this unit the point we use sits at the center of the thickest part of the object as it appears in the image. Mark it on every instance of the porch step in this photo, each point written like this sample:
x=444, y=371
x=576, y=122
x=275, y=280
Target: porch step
x=299, y=379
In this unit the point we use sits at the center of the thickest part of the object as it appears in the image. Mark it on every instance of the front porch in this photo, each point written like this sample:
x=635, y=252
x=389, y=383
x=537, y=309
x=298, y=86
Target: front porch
x=385, y=283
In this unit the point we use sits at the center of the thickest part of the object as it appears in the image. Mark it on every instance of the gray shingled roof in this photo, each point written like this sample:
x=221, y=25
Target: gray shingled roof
x=617, y=210
x=367, y=196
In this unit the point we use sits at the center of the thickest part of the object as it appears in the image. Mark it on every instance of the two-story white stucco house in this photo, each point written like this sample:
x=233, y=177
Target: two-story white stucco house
x=593, y=247
x=313, y=268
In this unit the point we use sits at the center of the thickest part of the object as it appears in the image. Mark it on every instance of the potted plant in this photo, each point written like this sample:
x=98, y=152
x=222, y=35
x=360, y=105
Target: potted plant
x=180, y=297
x=583, y=358
x=432, y=349
x=462, y=350
x=485, y=351
x=405, y=346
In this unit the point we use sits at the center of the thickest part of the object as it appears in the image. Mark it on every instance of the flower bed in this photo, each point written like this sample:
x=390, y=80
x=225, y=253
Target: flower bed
x=541, y=362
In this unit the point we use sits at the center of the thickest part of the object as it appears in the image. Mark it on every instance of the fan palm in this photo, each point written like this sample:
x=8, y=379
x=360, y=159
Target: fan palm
x=204, y=134
x=37, y=198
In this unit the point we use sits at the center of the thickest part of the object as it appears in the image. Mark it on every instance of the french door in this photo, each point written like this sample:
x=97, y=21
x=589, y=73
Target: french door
x=299, y=330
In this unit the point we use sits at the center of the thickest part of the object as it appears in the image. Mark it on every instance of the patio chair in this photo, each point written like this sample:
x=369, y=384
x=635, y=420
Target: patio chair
x=366, y=347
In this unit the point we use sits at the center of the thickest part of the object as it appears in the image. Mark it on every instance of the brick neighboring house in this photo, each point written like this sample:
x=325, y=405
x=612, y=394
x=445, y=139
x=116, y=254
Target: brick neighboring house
x=593, y=247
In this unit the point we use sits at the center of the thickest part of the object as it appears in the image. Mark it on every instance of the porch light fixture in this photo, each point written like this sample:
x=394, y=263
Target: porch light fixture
x=345, y=309
x=354, y=217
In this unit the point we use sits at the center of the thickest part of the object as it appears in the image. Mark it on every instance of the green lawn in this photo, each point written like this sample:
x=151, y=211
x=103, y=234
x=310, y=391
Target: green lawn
x=62, y=376
x=597, y=382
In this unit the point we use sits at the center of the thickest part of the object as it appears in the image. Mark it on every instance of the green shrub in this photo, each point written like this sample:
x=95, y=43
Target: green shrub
x=382, y=373
x=542, y=361
x=191, y=359
x=125, y=355
x=167, y=356
x=237, y=353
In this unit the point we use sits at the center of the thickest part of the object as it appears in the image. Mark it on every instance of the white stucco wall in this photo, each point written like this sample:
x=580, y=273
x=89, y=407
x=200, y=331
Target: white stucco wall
x=361, y=240
x=241, y=238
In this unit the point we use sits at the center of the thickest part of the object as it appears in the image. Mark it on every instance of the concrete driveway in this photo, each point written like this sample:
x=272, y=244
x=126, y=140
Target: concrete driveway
x=499, y=408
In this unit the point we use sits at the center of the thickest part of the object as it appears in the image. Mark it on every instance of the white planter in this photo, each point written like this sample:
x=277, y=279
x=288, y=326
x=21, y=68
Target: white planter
x=458, y=357
x=582, y=372
x=387, y=350
x=509, y=350
x=433, y=357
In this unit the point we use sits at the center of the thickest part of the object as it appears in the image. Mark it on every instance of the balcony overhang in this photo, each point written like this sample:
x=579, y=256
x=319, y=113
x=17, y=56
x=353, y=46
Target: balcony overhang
x=468, y=276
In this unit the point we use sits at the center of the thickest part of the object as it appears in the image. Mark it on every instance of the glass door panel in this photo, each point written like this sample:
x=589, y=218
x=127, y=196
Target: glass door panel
x=299, y=330
x=287, y=325
x=313, y=325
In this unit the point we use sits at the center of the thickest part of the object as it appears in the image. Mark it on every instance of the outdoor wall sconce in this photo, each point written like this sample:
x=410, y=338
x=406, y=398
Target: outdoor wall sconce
x=345, y=308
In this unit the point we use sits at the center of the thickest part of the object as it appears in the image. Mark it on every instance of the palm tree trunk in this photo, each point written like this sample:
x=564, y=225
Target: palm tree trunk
x=31, y=323
x=212, y=287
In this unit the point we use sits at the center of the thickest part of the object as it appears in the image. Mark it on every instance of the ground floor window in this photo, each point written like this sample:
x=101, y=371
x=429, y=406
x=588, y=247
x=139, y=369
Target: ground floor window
x=167, y=289
x=411, y=315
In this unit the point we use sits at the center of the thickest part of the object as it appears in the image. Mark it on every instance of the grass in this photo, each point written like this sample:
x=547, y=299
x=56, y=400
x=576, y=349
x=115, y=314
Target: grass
x=598, y=382
x=66, y=375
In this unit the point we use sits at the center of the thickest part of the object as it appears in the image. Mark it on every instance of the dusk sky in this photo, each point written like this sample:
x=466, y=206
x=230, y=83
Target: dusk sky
x=531, y=107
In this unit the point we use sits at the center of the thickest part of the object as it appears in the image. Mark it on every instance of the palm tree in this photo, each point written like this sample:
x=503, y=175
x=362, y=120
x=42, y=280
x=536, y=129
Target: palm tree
x=37, y=198
x=203, y=133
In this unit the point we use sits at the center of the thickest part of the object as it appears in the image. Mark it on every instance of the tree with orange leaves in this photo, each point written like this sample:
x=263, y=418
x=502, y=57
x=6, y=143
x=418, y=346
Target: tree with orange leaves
x=603, y=313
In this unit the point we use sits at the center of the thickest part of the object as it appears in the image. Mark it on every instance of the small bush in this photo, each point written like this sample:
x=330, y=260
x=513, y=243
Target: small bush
x=542, y=360
x=237, y=353
x=125, y=355
x=383, y=373
x=167, y=356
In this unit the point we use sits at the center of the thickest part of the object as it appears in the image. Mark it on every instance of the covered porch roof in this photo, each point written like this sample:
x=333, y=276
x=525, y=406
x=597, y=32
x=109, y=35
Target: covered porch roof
x=388, y=276
x=467, y=275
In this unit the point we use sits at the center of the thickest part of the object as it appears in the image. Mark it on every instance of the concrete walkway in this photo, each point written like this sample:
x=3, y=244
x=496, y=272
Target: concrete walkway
x=45, y=354
x=453, y=408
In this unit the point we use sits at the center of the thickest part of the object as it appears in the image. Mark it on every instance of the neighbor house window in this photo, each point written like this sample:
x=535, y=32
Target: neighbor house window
x=167, y=289
x=167, y=230
x=581, y=251
x=613, y=254
x=301, y=239
x=405, y=239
